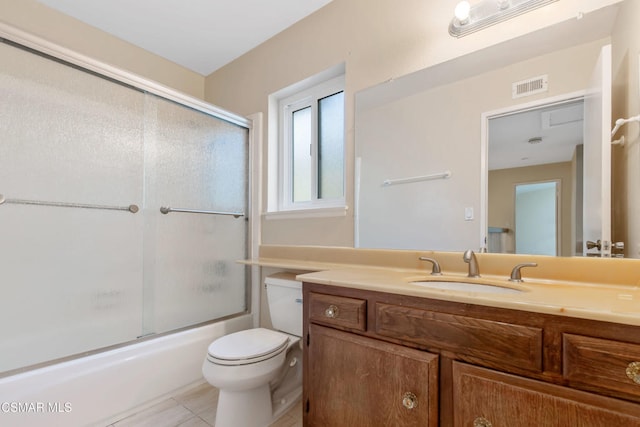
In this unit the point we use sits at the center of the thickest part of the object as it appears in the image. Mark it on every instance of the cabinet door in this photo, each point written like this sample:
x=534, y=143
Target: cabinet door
x=357, y=381
x=485, y=398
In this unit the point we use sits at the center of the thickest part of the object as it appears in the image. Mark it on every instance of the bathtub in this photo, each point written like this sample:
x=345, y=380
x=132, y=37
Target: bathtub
x=99, y=389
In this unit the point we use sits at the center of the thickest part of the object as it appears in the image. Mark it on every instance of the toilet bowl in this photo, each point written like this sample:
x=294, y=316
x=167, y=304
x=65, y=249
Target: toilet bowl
x=259, y=371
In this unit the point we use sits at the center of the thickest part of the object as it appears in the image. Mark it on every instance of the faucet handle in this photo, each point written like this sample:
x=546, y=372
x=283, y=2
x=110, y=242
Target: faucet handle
x=435, y=270
x=516, y=276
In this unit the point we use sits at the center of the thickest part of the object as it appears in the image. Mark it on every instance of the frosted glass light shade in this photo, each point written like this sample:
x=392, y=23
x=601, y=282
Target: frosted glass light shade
x=461, y=12
x=484, y=13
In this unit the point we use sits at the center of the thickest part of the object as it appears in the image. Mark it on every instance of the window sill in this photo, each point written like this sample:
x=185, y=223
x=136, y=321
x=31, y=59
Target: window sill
x=307, y=213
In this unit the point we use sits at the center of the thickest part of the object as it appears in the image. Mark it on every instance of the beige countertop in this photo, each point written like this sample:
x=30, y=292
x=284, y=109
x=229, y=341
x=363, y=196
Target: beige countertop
x=598, y=289
x=612, y=303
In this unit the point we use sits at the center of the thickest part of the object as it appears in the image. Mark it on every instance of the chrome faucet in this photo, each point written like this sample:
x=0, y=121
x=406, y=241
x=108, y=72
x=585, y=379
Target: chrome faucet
x=470, y=258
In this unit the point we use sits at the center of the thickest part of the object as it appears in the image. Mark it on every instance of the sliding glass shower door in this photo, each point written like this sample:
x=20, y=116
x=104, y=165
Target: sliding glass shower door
x=87, y=258
x=196, y=169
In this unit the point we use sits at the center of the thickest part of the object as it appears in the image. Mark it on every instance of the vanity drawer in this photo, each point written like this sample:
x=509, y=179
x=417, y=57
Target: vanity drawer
x=607, y=366
x=485, y=342
x=333, y=310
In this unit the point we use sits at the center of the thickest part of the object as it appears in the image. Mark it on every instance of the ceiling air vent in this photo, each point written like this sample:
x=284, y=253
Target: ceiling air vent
x=529, y=87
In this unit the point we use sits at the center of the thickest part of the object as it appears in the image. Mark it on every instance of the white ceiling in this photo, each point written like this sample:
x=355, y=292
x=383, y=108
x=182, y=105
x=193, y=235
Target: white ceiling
x=559, y=126
x=201, y=35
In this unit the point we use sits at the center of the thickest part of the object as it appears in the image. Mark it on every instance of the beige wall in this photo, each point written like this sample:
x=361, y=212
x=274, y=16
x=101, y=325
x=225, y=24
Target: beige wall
x=502, y=197
x=626, y=160
x=377, y=40
x=36, y=19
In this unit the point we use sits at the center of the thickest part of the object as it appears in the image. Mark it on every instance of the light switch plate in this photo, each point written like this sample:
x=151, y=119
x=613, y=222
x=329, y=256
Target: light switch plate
x=468, y=214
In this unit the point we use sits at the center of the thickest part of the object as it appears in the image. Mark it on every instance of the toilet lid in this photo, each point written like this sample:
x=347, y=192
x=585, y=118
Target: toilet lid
x=248, y=344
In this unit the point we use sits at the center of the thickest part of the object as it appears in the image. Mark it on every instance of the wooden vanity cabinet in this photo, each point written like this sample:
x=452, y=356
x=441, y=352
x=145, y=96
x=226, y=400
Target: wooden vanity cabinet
x=378, y=359
x=487, y=398
x=359, y=381
x=603, y=366
x=353, y=380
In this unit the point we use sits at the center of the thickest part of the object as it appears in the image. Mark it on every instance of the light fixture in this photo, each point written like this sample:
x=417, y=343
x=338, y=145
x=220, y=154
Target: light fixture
x=468, y=19
x=461, y=12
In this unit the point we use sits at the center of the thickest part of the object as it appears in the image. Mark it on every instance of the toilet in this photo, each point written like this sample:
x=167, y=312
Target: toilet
x=259, y=371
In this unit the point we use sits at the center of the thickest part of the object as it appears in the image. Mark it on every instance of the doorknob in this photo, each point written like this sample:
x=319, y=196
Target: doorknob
x=617, y=249
x=591, y=245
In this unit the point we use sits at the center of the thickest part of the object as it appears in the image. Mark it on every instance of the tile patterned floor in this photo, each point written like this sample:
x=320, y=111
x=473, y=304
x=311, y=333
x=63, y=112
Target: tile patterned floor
x=195, y=407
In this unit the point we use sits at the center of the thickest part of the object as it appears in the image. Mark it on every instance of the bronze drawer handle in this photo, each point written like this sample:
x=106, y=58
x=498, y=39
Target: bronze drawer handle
x=482, y=422
x=409, y=400
x=331, y=311
x=633, y=372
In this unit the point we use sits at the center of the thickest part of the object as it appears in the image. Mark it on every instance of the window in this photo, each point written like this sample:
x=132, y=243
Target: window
x=311, y=147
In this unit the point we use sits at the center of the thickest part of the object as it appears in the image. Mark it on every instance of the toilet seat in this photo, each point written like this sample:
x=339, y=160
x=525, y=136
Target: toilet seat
x=247, y=347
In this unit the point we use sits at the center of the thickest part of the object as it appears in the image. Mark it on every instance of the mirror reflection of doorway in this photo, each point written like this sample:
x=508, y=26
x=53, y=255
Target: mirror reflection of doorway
x=587, y=184
x=537, y=229
x=535, y=144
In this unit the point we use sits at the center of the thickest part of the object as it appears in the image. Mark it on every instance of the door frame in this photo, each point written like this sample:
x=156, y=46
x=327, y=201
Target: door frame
x=484, y=148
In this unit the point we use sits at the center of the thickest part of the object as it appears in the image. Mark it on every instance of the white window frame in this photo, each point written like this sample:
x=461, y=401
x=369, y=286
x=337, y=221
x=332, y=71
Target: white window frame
x=307, y=97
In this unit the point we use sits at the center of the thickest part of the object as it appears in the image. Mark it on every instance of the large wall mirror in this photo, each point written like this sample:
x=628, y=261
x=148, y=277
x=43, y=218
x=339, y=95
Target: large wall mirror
x=436, y=166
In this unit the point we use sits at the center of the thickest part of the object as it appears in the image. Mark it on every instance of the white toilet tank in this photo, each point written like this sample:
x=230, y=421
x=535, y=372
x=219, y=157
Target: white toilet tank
x=284, y=296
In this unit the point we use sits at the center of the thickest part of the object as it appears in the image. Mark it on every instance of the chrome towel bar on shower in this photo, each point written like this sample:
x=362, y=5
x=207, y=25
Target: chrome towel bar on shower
x=130, y=208
x=165, y=210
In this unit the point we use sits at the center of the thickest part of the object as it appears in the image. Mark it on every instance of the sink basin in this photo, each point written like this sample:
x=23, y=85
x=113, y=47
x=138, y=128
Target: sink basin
x=467, y=287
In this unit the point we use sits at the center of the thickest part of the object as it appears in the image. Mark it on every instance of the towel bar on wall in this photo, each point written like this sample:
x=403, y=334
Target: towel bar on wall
x=165, y=210
x=441, y=175
x=130, y=208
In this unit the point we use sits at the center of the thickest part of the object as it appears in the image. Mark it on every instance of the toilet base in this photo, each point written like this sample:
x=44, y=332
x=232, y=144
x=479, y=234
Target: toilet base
x=285, y=403
x=288, y=390
x=261, y=406
x=233, y=410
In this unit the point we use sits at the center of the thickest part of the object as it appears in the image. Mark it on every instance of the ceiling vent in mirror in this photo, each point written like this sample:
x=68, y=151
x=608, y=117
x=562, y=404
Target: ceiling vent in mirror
x=563, y=115
x=530, y=86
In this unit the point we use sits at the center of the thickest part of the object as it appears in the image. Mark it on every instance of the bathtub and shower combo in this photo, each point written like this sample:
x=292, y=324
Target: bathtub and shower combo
x=123, y=210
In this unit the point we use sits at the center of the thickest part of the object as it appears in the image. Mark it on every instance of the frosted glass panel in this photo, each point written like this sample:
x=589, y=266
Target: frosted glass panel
x=331, y=146
x=197, y=277
x=66, y=135
x=301, y=155
x=71, y=282
x=197, y=162
x=70, y=277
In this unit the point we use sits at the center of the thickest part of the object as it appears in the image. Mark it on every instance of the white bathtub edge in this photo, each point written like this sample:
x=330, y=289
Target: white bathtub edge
x=98, y=389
